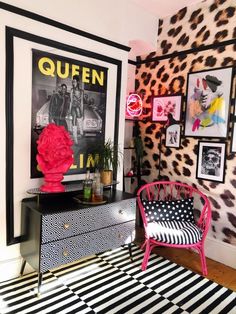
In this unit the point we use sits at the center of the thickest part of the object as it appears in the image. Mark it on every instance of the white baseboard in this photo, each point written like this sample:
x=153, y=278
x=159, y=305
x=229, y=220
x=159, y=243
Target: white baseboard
x=10, y=269
x=221, y=252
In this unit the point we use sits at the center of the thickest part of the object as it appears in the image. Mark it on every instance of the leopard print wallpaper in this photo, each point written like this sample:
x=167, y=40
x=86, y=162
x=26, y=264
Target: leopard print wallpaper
x=159, y=73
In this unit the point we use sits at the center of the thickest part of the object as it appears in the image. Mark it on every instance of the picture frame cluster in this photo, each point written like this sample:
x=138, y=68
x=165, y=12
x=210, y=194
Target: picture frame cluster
x=207, y=118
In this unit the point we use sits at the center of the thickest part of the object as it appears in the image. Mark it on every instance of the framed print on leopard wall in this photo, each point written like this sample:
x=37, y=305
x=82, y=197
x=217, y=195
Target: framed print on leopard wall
x=208, y=103
x=164, y=105
x=173, y=134
x=211, y=161
x=233, y=139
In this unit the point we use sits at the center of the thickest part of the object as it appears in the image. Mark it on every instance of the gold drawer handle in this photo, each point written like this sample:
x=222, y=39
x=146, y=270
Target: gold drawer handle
x=65, y=253
x=121, y=211
x=66, y=226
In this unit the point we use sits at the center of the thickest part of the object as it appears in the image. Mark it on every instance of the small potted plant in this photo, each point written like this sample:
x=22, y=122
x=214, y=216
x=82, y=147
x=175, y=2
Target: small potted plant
x=109, y=161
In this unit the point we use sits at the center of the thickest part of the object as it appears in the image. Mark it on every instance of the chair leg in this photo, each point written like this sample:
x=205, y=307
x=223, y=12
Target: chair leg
x=203, y=260
x=143, y=245
x=146, y=255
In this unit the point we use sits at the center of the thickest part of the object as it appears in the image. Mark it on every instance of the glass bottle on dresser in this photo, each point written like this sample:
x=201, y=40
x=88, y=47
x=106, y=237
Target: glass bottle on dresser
x=97, y=187
x=87, y=187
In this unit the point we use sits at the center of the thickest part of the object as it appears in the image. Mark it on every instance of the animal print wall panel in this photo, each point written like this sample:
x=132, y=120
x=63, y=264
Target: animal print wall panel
x=201, y=24
x=169, y=76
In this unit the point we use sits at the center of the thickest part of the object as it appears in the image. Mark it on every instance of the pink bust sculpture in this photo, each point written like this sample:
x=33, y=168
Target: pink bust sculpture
x=54, y=157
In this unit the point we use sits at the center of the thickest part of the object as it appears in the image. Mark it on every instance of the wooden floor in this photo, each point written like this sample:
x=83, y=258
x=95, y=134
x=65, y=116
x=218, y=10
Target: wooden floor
x=220, y=273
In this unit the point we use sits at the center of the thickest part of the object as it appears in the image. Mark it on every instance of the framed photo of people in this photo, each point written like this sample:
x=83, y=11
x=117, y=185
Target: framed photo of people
x=164, y=105
x=211, y=161
x=208, y=103
x=72, y=94
x=173, y=134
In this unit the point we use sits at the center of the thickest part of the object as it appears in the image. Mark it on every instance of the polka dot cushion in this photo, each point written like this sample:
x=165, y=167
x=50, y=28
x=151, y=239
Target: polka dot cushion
x=180, y=210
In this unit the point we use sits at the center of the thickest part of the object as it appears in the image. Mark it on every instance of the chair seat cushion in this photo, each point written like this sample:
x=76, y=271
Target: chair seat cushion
x=174, y=232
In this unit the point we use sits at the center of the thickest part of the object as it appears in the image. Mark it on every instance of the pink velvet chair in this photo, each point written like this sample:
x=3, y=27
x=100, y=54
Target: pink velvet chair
x=174, y=215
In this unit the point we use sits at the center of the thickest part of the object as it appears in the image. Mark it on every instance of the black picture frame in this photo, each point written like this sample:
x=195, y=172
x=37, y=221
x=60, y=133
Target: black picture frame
x=211, y=161
x=233, y=139
x=173, y=136
x=12, y=33
x=208, y=101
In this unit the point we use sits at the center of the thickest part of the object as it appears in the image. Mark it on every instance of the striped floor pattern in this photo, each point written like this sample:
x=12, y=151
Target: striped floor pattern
x=111, y=283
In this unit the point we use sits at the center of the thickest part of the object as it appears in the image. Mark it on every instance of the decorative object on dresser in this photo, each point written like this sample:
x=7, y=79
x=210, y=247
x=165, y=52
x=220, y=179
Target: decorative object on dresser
x=57, y=231
x=109, y=160
x=54, y=156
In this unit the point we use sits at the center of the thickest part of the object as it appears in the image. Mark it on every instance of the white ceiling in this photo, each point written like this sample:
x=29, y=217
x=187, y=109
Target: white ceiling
x=162, y=8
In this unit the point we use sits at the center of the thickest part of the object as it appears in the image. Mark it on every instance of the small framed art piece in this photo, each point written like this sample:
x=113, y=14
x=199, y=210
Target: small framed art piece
x=211, y=161
x=173, y=133
x=164, y=105
x=208, y=103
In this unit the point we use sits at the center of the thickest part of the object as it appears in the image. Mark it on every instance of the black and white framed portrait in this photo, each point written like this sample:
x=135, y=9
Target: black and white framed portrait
x=211, y=161
x=173, y=133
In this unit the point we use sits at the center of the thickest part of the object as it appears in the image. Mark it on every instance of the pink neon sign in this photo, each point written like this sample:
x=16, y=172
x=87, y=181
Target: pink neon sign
x=134, y=105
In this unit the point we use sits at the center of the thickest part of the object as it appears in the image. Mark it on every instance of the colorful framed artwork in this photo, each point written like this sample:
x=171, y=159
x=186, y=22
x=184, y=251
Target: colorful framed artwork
x=164, y=105
x=173, y=134
x=208, y=103
x=211, y=161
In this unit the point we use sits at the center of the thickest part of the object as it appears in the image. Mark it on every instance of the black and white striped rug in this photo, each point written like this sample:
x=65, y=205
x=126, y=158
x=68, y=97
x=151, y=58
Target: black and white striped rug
x=111, y=283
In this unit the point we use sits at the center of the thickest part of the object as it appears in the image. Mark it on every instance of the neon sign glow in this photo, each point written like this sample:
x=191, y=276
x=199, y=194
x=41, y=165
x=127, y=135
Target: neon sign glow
x=134, y=105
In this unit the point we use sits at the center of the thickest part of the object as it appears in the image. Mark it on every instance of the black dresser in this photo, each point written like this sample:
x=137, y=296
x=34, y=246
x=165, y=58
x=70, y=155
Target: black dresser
x=59, y=230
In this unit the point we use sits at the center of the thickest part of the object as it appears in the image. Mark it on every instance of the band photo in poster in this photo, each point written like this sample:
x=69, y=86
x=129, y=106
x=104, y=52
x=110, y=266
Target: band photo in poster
x=72, y=94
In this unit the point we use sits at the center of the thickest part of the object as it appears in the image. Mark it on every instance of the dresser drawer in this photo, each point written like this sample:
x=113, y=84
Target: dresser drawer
x=65, y=251
x=68, y=224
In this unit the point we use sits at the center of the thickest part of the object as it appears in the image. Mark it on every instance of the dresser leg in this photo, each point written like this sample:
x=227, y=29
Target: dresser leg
x=40, y=276
x=130, y=252
x=22, y=267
